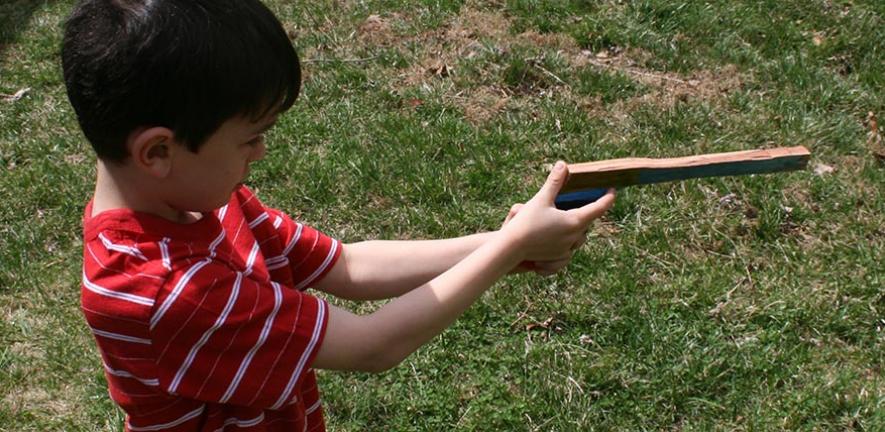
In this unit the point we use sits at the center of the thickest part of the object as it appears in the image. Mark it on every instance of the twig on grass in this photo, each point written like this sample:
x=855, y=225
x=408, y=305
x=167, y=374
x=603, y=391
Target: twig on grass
x=551, y=74
x=345, y=60
x=15, y=97
x=605, y=65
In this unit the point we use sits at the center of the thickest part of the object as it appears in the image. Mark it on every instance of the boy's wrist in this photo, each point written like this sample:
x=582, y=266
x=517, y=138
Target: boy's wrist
x=511, y=243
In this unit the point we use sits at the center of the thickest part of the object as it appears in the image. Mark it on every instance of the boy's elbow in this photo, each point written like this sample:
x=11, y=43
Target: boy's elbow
x=382, y=361
x=361, y=343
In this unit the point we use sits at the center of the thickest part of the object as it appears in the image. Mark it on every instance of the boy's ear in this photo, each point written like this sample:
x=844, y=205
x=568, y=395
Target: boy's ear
x=151, y=150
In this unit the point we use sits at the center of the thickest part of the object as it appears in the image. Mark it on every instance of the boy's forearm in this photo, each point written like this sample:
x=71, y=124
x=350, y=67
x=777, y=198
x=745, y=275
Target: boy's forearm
x=413, y=319
x=383, y=339
x=383, y=269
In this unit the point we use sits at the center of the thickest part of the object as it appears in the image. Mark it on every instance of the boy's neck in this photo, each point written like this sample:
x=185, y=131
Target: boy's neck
x=115, y=188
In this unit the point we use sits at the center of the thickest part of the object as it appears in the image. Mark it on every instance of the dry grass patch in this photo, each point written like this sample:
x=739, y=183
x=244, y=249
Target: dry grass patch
x=378, y=30
x=441, y=53
x=483, y=103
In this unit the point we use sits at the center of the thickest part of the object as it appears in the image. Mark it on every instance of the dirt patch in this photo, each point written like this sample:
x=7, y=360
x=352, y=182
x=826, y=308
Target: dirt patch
x=378, y=30
x=440, y=54
x=34, y=399
x=551, y=41
x=668, y=88
x=483, y=103
x=463, y=37
x=471, y=24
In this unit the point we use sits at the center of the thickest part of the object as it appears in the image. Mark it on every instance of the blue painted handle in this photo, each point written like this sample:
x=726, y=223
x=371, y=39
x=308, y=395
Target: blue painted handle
x=577, y=199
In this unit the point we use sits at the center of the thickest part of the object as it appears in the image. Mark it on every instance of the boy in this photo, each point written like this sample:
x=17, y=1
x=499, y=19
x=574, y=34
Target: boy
x=193, y=289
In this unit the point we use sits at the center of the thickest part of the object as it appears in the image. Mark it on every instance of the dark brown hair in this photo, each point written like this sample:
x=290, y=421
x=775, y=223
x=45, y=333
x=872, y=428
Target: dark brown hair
x=188, y=65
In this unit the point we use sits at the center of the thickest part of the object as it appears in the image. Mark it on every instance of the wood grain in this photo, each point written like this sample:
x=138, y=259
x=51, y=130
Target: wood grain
x=619, y=173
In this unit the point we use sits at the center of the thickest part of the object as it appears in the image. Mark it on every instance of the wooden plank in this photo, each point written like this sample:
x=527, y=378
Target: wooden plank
x=618, y=173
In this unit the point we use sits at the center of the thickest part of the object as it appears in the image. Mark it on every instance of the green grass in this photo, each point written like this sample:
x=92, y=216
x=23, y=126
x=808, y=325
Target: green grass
x=753, y=303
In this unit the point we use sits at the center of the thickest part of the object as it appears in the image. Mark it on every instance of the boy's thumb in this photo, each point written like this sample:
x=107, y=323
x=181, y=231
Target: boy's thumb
x=555, y=181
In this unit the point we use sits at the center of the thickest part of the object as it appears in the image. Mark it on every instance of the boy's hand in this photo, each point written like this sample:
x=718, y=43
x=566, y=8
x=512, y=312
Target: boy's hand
x=547, y=236
x=542, y=268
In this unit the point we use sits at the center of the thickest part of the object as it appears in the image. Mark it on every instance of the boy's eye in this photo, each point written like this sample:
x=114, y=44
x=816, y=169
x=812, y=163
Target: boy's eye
x=256, y=140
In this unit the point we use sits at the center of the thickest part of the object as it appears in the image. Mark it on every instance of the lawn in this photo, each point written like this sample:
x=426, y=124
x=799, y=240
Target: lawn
x=751, y=303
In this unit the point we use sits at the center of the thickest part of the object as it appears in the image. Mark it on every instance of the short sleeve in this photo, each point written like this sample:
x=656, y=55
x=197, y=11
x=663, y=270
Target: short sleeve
x=309, y=253
x=219, y=336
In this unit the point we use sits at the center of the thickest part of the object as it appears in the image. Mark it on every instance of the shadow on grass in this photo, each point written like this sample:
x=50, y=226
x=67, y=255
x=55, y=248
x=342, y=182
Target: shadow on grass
x=14, y=18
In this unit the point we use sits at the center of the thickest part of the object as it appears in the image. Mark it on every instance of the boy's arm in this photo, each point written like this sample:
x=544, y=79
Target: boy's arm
x=381, y=340
x=381, y=269
x=384, y=338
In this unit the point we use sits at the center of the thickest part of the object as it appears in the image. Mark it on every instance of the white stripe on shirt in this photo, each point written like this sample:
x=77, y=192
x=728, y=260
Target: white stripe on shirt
x=122, y=337
x=241, y=423
x=137, y=299
x=295, y=239
x=251, y=260
x=321, y=268
x=153, y=382
x=278, y=299
x=231, y=300
x=173, y=423
x=258, y=220
x=215, y=243
x=128, y=250
x=221, y=212
x=314, y=338
x=176, y=291
x=278, y=264
x=164, y=253
x=313, y=407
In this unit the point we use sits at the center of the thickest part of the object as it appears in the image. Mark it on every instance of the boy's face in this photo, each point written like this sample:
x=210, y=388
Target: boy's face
x=204, y=181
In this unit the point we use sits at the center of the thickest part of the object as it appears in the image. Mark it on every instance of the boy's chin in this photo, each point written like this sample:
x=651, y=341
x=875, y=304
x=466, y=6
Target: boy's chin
x=208, y=207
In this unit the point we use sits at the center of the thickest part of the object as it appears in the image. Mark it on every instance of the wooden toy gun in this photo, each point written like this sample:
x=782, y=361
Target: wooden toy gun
x=588, y=181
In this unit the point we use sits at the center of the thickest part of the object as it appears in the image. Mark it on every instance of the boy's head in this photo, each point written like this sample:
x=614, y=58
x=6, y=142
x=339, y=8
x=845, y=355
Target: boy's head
x=185, y=65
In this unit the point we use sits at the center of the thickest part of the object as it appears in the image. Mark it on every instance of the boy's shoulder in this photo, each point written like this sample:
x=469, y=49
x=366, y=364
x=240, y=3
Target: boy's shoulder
x=131, y=258
x=128, y=242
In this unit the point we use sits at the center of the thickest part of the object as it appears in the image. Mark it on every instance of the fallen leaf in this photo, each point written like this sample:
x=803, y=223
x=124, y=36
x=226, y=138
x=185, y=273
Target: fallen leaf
x=291, y=30
x=817, y=39
x=821, y=169
x=544, y=325
x=373, y=24
x=74, y=159
x=373, y=19
x=874, y=139
x=414, y=103
x=728, y=200
x=716, y=310
x=439, y=69
x=15, y=97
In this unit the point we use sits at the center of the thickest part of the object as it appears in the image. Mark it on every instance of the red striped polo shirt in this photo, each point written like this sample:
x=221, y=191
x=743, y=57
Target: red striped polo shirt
x=205, y=326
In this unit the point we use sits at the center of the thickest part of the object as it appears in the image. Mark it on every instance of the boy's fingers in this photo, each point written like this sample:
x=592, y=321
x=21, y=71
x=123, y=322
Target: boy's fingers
x=595, y=209
x=555, y=180
x=546, y=268
x=580, y=242
x=513, y=211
